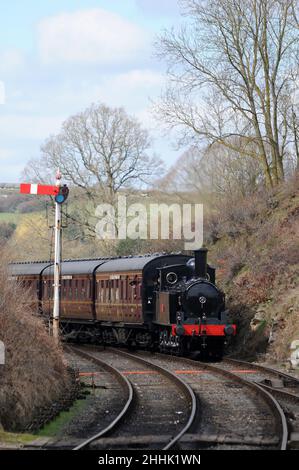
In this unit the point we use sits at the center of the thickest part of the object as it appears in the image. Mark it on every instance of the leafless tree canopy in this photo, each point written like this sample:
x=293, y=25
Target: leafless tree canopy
x=101, y=147
x=100, y=151
x=213, y=173
x=233, y=72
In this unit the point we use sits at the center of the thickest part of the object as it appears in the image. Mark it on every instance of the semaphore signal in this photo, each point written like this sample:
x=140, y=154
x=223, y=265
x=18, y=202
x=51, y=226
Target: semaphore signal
x=60, y=194
x=38, y=189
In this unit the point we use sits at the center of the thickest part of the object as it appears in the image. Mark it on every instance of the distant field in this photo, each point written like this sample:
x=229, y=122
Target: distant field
x=10, y=217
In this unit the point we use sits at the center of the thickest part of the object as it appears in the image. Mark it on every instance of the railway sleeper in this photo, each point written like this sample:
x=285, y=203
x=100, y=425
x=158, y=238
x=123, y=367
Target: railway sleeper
x=274, y=383
x=148, y=440
x=293, y=442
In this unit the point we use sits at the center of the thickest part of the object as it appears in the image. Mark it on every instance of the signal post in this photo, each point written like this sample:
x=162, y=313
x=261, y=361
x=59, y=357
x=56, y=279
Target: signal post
x=57, y=262
x=60, y=194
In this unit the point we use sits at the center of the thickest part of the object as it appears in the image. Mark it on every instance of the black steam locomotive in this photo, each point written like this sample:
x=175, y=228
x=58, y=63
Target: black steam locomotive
x=166, y=302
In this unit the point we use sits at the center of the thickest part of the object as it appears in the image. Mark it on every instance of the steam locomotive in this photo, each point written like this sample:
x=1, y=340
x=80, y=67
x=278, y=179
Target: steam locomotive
x=165, y=302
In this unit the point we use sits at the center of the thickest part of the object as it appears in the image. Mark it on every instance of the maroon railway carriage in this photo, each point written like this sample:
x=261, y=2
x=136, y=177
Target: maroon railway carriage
x=29, y=275
x=160, y=301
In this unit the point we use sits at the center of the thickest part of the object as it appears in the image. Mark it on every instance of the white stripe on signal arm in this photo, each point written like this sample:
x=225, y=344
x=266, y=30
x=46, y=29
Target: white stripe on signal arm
x=33, y=189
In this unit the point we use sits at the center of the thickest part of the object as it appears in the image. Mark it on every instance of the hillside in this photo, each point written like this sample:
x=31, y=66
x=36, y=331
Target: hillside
x=255, y=244
x=34, y=374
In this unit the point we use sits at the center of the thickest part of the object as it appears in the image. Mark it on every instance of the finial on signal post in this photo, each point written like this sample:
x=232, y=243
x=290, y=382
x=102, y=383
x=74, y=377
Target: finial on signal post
x=58, y=175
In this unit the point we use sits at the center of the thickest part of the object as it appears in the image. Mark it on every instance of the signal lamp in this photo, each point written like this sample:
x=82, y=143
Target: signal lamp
x=62, y=195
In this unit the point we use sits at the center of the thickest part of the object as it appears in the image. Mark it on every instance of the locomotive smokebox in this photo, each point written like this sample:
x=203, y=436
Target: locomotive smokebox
x=201, y=262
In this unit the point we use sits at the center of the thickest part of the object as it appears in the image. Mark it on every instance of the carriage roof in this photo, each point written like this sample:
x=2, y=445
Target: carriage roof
x=33, y=268
x=89, y=266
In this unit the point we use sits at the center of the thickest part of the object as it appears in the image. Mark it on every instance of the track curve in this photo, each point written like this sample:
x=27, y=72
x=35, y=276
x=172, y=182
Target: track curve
x=126, y=386
x=267, y=407
x=153, y=386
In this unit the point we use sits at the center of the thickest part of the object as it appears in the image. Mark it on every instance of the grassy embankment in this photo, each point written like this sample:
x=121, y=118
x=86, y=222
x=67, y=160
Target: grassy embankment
x=257, y=251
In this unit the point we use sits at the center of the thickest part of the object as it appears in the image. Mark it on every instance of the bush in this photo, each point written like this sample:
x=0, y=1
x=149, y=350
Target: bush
x=256, y=249
x=6, y=230
x=11, y=202
x=34, y=374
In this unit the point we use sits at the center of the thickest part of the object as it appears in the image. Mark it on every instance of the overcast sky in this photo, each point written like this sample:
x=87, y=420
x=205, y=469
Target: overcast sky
x=59, y=56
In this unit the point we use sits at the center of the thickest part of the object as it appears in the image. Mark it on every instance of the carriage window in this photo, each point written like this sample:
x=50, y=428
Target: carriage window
x=83, y=293
x=116, y=292
x=109, y=290
x=126, y=288
x=111, y=284
x=105, y=287
x=139, y=287
x=101, y=291
x=103, y=283
x=133, y=289
x=121, y=282
x=76, y=289
x=62, y=289
x=129, y=289
x=66, y=289
x=45, y=290
x=70, y=290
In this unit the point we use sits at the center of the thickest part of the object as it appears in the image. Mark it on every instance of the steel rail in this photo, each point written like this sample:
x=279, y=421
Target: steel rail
x=280, y=417
x=272, y=402
x=265, y=369
x=187, y=390
x=124, y=382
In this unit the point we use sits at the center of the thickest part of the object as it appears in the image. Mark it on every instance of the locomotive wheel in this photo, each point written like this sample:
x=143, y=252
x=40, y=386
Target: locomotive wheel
x=163, y=343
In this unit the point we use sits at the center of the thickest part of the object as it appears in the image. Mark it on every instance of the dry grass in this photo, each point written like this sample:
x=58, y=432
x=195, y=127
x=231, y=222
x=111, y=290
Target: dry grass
x=34, y=373
x=257, y=253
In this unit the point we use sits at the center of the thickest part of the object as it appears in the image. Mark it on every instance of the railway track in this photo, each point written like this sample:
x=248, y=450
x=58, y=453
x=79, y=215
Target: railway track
x=284, y=387
x=182, y=403
x=280, y=384
x=159, y=411
x=126, y=399
x=234, y=412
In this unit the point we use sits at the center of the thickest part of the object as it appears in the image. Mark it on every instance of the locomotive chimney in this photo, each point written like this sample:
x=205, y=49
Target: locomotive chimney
x=201, y=262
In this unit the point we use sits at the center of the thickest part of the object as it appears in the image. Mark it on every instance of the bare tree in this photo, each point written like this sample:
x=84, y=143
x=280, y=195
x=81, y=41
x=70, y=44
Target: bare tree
x=212, y=173
x=231, y=68
x=292, y=121
x=99, y=151
x=295, y=129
